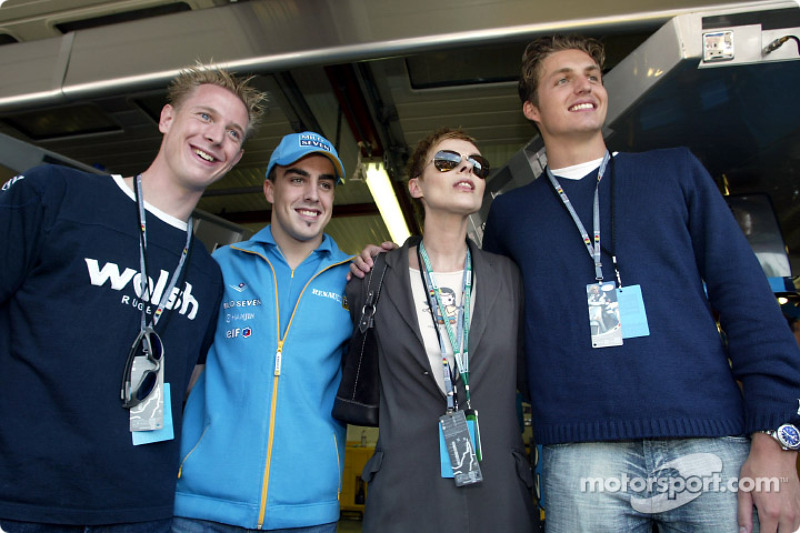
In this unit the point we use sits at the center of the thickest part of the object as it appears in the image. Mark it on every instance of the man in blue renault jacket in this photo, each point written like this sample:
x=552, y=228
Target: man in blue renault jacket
x=260, y=449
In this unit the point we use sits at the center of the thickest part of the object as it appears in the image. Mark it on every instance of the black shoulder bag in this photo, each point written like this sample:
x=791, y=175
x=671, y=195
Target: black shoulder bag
x=358, y=397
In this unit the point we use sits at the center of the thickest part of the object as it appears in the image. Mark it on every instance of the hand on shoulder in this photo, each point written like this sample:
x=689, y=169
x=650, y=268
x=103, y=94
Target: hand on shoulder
x=363, y=263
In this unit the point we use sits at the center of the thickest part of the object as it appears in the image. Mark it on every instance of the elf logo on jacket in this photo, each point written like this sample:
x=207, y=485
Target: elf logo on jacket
x=239, y=332
x=181, y=300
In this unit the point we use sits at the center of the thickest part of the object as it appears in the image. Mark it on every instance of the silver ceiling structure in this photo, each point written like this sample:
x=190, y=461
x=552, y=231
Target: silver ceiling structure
x=85, y=81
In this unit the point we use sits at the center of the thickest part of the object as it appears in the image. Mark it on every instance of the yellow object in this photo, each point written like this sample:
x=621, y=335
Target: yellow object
x=354, y=489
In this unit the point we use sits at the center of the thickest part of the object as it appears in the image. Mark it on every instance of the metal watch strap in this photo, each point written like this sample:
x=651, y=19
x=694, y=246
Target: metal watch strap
x=784, y=444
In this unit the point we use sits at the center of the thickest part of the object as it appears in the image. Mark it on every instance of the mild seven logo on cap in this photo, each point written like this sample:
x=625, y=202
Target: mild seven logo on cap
x=315, y=141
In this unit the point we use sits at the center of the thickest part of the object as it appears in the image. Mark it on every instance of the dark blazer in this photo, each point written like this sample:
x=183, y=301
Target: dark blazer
x=406, y=491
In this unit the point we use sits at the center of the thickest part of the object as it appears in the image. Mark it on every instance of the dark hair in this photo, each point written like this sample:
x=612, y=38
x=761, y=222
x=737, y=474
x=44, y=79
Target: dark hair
x=538, y=50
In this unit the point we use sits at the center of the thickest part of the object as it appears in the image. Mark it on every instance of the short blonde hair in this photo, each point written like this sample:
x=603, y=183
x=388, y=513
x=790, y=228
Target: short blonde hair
x=190, y=78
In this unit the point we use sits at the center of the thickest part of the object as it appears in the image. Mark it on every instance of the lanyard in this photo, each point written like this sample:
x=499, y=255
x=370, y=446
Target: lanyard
x=593, y=247
x=459, y=340
x=145, y=280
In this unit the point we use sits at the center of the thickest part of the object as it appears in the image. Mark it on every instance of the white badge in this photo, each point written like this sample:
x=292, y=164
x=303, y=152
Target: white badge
x=604, y=323
x=148, y=415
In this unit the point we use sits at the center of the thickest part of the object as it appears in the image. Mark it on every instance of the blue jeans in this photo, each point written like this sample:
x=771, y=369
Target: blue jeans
x=191, y=525
x=158, y=526
x=679, y=484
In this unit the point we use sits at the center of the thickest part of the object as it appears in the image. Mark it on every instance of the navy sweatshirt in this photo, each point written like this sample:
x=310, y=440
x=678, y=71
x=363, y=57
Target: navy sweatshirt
x=69, y=311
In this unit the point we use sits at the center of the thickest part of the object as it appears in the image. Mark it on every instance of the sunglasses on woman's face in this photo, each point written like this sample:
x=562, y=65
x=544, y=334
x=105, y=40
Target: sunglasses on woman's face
x=447, y=160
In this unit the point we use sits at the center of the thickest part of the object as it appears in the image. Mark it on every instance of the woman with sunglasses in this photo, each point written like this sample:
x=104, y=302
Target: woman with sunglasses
x=448, y=316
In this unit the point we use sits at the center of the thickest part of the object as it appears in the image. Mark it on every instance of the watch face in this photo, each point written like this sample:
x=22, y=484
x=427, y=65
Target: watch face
x=789, y=436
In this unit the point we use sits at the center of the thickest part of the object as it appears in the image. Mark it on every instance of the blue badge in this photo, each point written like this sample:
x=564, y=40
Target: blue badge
x=632, y=314
x=165, y=433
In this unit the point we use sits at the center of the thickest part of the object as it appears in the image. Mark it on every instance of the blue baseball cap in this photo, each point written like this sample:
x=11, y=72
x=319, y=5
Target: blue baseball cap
x=296, y=146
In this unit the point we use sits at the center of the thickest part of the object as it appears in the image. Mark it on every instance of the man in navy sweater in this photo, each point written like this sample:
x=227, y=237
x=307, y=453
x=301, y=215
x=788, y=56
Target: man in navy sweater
x=106, y=303
x=659, y=418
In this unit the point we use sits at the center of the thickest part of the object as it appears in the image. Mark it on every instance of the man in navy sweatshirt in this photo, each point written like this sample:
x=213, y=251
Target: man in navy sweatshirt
x=658, y=418
x=106, y=303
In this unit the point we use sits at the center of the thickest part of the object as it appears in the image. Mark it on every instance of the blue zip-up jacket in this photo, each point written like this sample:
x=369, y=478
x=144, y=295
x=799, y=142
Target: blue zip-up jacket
x=260, y=449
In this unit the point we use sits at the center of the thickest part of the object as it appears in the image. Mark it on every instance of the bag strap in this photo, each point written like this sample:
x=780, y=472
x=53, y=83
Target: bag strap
x=373, y=293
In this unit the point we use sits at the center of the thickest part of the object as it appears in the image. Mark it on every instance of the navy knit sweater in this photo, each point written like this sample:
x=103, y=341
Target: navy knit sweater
x=674, y=233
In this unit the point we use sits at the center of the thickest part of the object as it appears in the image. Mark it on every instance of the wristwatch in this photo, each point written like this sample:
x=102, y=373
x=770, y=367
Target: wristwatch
x=787, y=435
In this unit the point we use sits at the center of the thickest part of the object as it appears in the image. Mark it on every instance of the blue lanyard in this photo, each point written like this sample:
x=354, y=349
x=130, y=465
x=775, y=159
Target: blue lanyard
x=459, y=340
x=145, y=280
x=593, y=246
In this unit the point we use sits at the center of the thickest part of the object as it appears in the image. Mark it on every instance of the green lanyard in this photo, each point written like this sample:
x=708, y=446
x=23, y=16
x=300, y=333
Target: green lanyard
x=459, y=340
